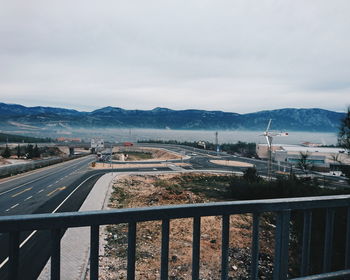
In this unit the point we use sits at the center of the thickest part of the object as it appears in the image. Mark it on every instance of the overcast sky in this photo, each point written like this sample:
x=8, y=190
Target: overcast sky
x=235, y=56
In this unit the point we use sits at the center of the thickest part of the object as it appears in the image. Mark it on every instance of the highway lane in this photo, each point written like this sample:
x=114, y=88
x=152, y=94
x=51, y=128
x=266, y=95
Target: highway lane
x=23, y=195
x=42, y=191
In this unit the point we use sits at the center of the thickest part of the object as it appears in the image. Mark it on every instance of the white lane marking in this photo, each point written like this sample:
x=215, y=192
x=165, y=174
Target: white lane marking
x=29, y=197
x=54, y=211
x=14, y=206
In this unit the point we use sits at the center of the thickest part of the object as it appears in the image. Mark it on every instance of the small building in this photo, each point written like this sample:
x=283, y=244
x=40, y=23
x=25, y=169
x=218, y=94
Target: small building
x=97, y=144
x=318, y=156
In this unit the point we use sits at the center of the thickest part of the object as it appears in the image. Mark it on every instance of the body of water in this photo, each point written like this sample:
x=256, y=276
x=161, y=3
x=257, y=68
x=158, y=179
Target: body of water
x=133, y=135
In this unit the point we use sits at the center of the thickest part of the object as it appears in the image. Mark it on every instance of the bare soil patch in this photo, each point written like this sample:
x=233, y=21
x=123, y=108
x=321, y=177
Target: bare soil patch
x=144, y=154
x=232, y=163
x=101, y=165
x=143, y=191
x=4, y=161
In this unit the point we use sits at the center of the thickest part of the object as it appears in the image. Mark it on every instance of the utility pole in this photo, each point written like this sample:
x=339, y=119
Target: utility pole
x=217, y=143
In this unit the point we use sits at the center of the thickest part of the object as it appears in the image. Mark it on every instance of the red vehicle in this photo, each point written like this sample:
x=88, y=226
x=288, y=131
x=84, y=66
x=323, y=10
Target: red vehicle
x=128, y=144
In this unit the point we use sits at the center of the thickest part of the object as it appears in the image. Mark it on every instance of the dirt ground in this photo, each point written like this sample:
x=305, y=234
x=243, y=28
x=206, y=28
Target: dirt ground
x=232, y=163
x=101, y=165
x=145, y=191
x=157, y=154
x=4, y=161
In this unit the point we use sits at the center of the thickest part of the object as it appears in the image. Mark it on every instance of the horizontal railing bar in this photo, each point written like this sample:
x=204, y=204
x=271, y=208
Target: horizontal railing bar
x=81, y=219
x=330, y=275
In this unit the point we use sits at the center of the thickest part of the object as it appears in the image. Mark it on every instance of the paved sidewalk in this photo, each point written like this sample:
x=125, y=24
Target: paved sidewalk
x=75, y=244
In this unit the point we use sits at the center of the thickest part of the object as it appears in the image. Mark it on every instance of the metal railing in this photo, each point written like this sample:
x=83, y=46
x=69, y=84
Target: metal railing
x=282, y=207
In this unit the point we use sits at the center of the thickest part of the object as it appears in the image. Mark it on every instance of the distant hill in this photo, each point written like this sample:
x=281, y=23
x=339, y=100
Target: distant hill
x=9, y=138
x=38, y=118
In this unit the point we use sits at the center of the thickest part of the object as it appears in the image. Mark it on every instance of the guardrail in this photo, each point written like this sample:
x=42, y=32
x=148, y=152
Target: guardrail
x=282, y=207
x=9, y=170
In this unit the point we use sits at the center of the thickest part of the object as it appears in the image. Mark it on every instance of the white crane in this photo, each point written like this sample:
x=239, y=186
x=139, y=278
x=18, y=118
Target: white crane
x=269, y=137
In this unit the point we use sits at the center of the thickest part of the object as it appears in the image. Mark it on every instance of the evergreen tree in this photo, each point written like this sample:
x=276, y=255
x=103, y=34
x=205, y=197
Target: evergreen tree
x=344, y=140
x=29, y=151
x=19, y=153
x=303, y=161
x=344, y=132
x=6, y=153
x=36, y=152
x=251, y=175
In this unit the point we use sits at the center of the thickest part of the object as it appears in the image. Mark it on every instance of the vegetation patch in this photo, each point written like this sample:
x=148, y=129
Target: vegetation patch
x=139, y=155
x=241, y=148
x=142, y=191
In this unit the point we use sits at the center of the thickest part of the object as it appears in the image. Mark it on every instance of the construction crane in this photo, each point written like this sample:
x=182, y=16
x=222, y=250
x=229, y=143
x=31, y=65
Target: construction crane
x=269, y=138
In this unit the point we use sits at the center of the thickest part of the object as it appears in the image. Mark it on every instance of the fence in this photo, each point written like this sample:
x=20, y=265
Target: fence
x=282, y=207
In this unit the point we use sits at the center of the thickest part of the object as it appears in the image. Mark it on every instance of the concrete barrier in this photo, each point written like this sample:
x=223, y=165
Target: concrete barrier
x=9, y=170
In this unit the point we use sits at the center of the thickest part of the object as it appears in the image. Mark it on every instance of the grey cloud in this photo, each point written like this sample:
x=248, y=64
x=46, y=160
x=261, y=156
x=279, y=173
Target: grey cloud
x=138, y=54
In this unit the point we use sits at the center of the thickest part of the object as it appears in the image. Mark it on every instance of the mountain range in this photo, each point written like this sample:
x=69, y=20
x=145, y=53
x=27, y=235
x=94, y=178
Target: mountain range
x=15, y=116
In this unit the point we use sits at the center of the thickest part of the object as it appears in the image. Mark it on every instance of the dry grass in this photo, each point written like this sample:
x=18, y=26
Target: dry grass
x=141, y=191
x=156, y=154
x=232, y=163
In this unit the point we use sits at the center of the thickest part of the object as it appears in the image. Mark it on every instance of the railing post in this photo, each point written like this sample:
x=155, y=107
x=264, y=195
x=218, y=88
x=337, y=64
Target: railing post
x=55, y=254
x=94, y=251
x=196, y=247
x=14, y=255
x=131, y=250
x=255, y=247
x=305, y=252
x=225, y=246
x=347, y=246
x=328, y=240
x=281, y=246
x=164, y=267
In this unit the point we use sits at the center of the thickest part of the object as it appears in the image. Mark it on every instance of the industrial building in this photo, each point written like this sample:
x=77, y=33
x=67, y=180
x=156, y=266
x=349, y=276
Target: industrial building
x=321, y=157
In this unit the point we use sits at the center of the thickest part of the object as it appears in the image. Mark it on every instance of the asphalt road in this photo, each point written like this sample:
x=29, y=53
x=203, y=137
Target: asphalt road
x=200, y=159
x=26, y=193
